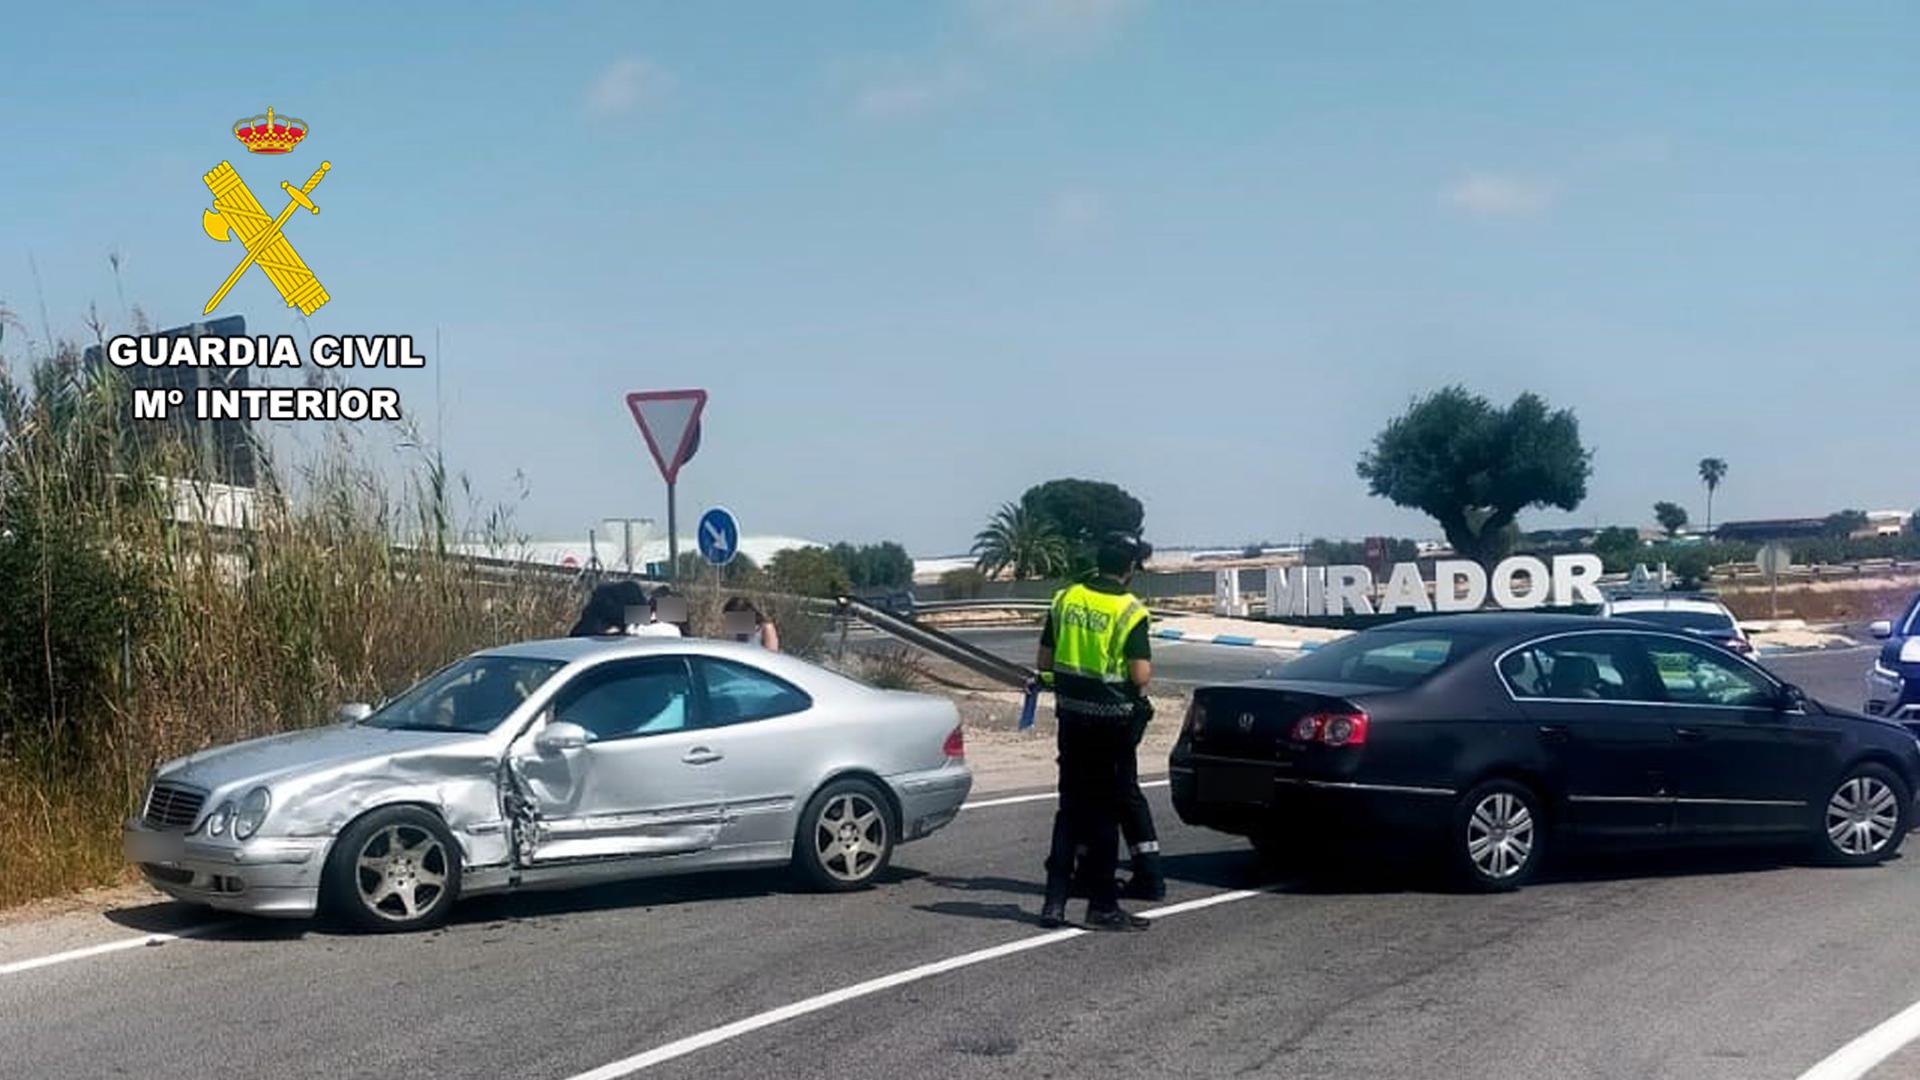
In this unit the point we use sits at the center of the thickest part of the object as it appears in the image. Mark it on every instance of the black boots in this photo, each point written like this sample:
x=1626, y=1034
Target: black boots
x=1147, y=882
x=1053, y=910
x=1117, y=920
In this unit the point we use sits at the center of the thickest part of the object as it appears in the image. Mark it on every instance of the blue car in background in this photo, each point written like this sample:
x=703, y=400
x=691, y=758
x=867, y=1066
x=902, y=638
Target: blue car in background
x=1893, y=686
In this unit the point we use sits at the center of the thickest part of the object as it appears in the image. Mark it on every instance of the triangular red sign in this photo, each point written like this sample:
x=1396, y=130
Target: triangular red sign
x=670, y=422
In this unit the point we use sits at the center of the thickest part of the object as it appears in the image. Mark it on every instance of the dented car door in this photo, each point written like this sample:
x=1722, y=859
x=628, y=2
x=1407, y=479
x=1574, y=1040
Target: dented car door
x=618, y=767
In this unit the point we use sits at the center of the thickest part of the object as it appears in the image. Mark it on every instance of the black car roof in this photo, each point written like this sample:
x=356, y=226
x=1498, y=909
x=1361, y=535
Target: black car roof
x=1505, y=624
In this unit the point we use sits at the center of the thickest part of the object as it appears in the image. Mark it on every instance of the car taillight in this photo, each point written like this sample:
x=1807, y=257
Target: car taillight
x=1196, y=719
x=956, y=744
x=1331, y=729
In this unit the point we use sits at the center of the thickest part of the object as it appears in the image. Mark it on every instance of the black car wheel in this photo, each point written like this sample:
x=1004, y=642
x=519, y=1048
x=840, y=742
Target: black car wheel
x=1865, y=817
x=394, y=870
x=1497, y=837
x=845, y=838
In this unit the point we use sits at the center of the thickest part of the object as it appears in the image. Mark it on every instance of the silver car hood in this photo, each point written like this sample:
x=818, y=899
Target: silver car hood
x=320, y=749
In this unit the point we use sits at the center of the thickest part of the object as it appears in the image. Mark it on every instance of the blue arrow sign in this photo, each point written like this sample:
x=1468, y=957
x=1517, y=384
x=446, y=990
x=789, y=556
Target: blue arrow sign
x=719, y=536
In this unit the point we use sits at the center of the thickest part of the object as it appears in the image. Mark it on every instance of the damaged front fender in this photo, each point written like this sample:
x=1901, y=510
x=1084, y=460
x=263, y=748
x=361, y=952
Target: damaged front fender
x=460, y=785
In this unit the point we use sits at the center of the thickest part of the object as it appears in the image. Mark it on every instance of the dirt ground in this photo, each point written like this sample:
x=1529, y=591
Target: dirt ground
x=1005, y=758
x=1825, y=602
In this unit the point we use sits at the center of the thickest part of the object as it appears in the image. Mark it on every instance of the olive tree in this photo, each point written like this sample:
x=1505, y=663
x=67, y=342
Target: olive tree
x=1473, y=467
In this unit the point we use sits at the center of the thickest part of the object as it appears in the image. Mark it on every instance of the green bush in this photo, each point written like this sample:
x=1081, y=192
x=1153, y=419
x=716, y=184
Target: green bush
x=1835, y=549
x=66, y=611
x=897, y=668
x=1619, y=549
x=808, y=571
x=693, y=567
x=1323, y=552
x=884, y=565
x=1690, y=564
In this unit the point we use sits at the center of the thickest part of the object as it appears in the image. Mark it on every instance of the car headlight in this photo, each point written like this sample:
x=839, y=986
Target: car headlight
x=217, y=821
x=253, y=811
x=1884, y=671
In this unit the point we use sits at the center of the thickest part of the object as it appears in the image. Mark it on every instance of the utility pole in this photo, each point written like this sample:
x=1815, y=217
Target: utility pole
x=626, y=535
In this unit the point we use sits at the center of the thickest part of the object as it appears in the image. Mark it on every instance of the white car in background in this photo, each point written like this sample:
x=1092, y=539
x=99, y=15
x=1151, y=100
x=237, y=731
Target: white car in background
x=1689, y=613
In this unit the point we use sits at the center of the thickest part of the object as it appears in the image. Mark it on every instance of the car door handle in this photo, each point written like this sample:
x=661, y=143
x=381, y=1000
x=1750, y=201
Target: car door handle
x=1690, y=734
x=700, y=755
x=1554, y=733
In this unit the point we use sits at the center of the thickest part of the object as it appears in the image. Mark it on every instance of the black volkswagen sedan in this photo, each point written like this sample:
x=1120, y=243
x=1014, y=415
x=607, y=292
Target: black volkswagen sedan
x=1493, y=737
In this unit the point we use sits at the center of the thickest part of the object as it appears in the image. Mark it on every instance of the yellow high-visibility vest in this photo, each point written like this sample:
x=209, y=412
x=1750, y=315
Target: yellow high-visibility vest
x=1090, y=630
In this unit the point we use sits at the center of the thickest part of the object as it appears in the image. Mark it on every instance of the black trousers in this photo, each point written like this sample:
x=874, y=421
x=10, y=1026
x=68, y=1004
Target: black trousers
x=1136, y=817
x=1095, y=753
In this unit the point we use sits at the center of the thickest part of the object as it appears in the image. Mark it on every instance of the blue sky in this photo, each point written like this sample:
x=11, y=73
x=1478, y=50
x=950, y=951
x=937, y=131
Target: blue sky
x=925, y=254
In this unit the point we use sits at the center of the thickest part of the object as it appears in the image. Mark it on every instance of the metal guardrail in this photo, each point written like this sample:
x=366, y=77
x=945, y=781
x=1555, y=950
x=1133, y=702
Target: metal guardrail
x=981, y=605
x=966, y=654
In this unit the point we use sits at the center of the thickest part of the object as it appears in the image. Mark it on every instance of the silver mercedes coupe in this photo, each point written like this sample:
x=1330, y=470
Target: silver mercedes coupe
x=551, y=764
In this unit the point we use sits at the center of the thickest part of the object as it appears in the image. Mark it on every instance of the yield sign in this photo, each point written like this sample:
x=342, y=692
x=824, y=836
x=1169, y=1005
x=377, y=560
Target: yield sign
x=670, y=421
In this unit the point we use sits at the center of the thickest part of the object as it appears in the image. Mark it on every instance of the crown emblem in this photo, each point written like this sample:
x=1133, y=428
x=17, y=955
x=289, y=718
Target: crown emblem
x=269, y=134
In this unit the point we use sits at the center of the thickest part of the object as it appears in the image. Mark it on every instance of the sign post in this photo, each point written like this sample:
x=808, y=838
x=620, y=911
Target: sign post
x=1774, y=559
x=670, y=422
x=719, y=536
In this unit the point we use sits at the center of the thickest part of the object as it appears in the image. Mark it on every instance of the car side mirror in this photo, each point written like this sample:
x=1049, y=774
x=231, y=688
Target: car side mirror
x=1882, y=629
x=354, y=712
x=1792, y=699
x=561, y=736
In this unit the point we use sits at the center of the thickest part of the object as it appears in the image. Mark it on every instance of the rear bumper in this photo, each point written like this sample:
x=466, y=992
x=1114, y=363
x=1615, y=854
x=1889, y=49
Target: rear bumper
x=1307, y=805
x=277, y=877
x=929, y=800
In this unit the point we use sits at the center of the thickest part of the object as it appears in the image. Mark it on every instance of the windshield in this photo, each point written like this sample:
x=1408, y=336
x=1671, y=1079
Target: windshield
x=471, y=695
x=1394, y=658
x=1694, y=622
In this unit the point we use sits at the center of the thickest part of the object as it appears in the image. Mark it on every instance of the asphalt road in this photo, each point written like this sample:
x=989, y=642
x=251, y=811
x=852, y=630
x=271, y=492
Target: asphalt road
x=1745, y=966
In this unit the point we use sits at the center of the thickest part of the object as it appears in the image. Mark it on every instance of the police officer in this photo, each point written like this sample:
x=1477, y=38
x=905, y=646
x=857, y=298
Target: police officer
x=1095, y=651
x=1136, y=818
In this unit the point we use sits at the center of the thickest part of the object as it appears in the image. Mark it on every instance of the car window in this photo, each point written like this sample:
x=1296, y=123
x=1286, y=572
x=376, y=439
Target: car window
x=1581, y=667
x=1694, y=674
x=629, y=698
x=1395, y=658
x=737, y=693
x=471, y=695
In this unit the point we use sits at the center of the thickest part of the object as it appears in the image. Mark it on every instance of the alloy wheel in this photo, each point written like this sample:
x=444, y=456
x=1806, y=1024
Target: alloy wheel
x=401, y=872
x=1862, y=816
x=850, y=836
x=1500, y=835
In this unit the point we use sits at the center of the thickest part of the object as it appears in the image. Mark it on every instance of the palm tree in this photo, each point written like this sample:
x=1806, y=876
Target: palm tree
x=1712, y=471
x=1021, y=542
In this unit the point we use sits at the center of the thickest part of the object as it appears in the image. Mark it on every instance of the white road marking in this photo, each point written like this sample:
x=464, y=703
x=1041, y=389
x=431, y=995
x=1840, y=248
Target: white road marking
x=1864, y=1054
x=714, y=1036
x=1012, y=799
x=18, y=966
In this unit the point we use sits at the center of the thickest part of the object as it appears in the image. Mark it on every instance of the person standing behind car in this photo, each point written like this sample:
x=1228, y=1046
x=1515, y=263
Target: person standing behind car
x=1095, y=652
x=745, y=623
x=667, y=615
x=607, y=609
